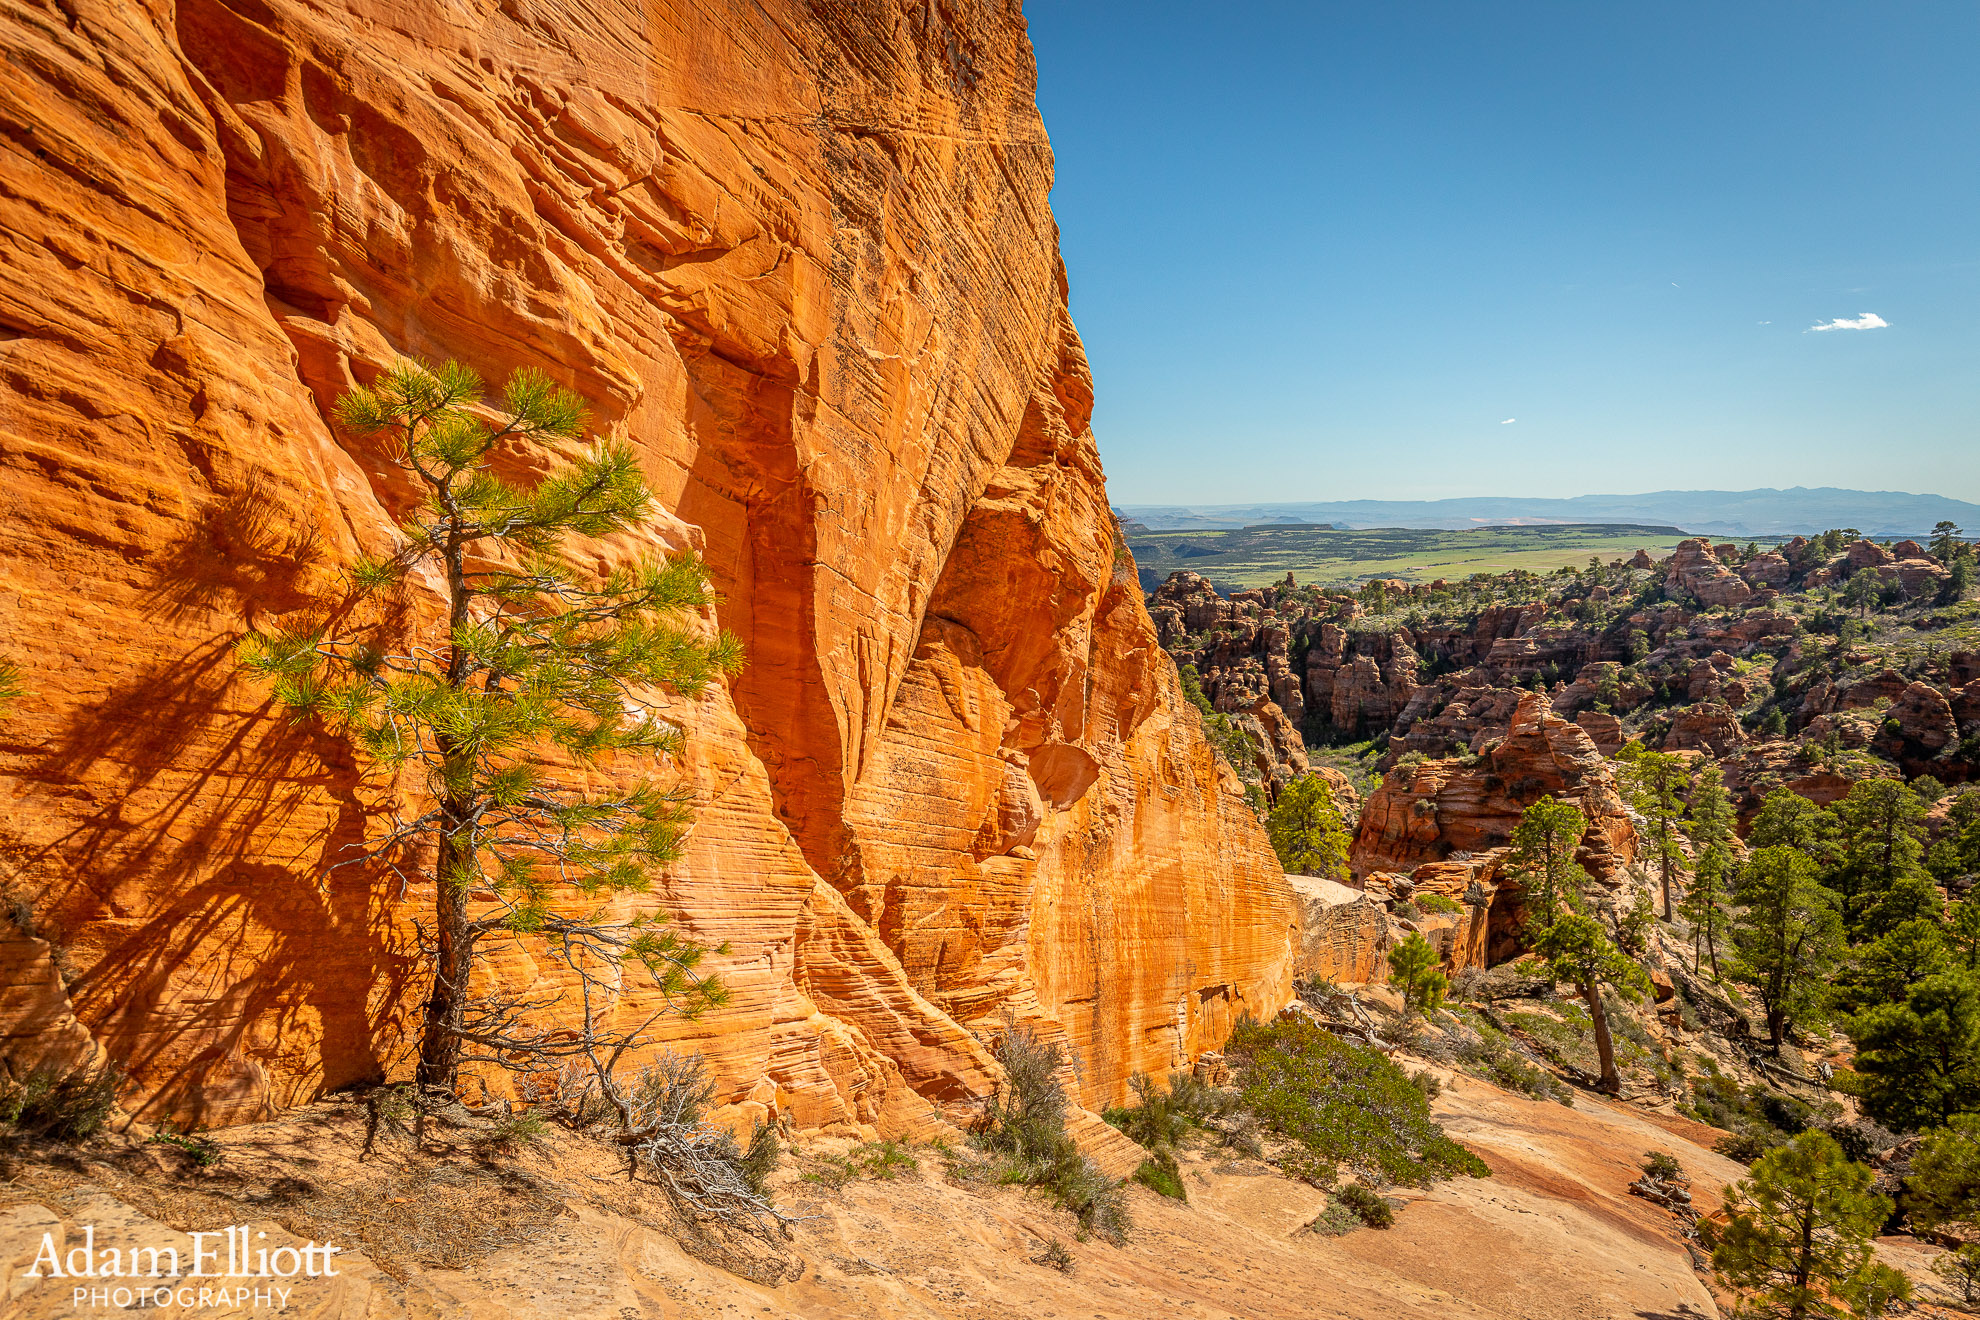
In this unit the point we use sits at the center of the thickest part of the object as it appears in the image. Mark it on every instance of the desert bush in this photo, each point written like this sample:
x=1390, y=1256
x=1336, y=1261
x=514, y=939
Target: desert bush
x=1662, y=1165
x=1055, y=1255
x=512, y=1133
x=1343, y=1104
x=1337, y=1220
x=705, y=1171
x=881, y=1161
x=1368, y=1205
x=1491, y=1056
x=62, y=1105
x=1159, y=1174
x=1025, y=1124
x=202, y=1151
x=1164, y=1115
x=1439, y=904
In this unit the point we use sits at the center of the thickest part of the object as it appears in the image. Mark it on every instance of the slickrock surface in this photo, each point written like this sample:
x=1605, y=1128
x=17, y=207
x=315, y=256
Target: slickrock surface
x=1553, y=1235
x=801, y=257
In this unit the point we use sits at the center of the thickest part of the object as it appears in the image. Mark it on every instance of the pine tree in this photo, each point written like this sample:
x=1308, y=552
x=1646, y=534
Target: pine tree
x=1944, y=1183
x=1788, y=820
x=1919, y=1060
x=1307, y=830
x=1786, y=938
x=1798, y=1237
x=1709, y=826
x=1413, y=970
x=1911, y=951
x=1963, y=931
x=1542, y=857
x=1578, y=951
x=541, y=671
x=1657, y=783
x=1882, y=829
x=1960, y=580
x=1945, y=540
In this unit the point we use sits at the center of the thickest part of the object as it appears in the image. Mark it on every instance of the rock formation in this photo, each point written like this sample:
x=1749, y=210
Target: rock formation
x=1461, y=813
x=801, y=258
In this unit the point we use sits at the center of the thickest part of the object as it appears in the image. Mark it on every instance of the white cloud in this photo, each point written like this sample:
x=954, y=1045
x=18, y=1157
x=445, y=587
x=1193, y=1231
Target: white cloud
x=1509, y=421
x=1867, y=321
x=1766, y=323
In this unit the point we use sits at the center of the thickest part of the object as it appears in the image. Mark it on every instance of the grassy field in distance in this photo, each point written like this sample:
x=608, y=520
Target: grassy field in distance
x=1255, y=556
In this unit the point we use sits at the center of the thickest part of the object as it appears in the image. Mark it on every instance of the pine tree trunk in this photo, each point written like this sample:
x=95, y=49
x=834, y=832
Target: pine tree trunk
x=1605, y=1048
x=439, y=1040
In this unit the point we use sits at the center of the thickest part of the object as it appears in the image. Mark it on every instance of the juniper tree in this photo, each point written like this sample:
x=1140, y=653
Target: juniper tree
x=1656, y=783
x=1945, y=540
x=1709, y=826
x=542, y=672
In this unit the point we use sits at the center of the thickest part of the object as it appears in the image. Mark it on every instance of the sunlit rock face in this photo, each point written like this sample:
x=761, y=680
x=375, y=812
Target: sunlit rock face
x=801, y=257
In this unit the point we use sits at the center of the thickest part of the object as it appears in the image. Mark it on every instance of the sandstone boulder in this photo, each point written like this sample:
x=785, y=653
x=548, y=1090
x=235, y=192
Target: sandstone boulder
x=1696, y=572
x=1766, y=570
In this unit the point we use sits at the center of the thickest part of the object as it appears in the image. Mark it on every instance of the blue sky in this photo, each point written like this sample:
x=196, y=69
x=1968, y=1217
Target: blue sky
x=1324, y=251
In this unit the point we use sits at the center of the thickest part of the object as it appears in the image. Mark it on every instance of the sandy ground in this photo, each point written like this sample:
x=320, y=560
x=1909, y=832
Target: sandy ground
x=1553, y=1235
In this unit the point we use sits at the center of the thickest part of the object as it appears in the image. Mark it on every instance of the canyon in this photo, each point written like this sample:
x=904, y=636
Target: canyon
x=801, y=258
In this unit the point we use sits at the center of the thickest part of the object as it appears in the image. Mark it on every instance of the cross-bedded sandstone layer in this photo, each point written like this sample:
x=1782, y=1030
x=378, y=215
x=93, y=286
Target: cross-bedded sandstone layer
x=800, y=255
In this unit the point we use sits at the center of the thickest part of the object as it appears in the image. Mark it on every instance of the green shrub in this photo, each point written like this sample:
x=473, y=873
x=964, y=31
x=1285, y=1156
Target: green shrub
x=1662, y=1165
x=1162, y=1117
x=62, y=1106
x=1439, y=904
x=1343, y=1104
x=1026, y=1125
x=1159, y=1174
x=1367, y=1204
x=512, y=1133
x=1337, y=1220
x=203, y=1151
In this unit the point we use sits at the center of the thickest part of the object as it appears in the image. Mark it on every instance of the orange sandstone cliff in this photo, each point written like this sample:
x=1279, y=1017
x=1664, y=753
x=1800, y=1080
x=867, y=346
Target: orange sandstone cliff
x=800, y=255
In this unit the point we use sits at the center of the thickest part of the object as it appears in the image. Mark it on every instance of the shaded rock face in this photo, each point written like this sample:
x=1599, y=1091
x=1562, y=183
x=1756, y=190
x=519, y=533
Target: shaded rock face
x=1428, y=811
x=801, y=258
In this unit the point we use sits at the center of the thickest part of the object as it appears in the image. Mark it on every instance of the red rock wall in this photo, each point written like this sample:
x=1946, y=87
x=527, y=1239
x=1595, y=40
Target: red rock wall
x=801, y=256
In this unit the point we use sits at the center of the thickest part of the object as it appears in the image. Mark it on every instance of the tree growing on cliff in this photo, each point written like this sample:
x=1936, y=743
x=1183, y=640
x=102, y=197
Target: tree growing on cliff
x=1307, y=830
x=1709, y=826
x=1656, y=783
x=1798, y=1234
x=1786, y=938
x=1945, y=540
x=542, y=672
x=1413, y=970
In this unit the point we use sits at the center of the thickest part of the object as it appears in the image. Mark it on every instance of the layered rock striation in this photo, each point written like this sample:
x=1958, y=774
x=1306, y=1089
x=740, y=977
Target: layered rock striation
x=801, y=258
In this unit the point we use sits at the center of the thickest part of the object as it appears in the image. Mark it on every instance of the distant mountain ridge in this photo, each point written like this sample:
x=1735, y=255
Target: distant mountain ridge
x=1769, y=512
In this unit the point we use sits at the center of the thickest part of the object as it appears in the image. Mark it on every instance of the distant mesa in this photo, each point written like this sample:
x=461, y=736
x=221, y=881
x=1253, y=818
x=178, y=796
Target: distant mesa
x=1800, y=510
